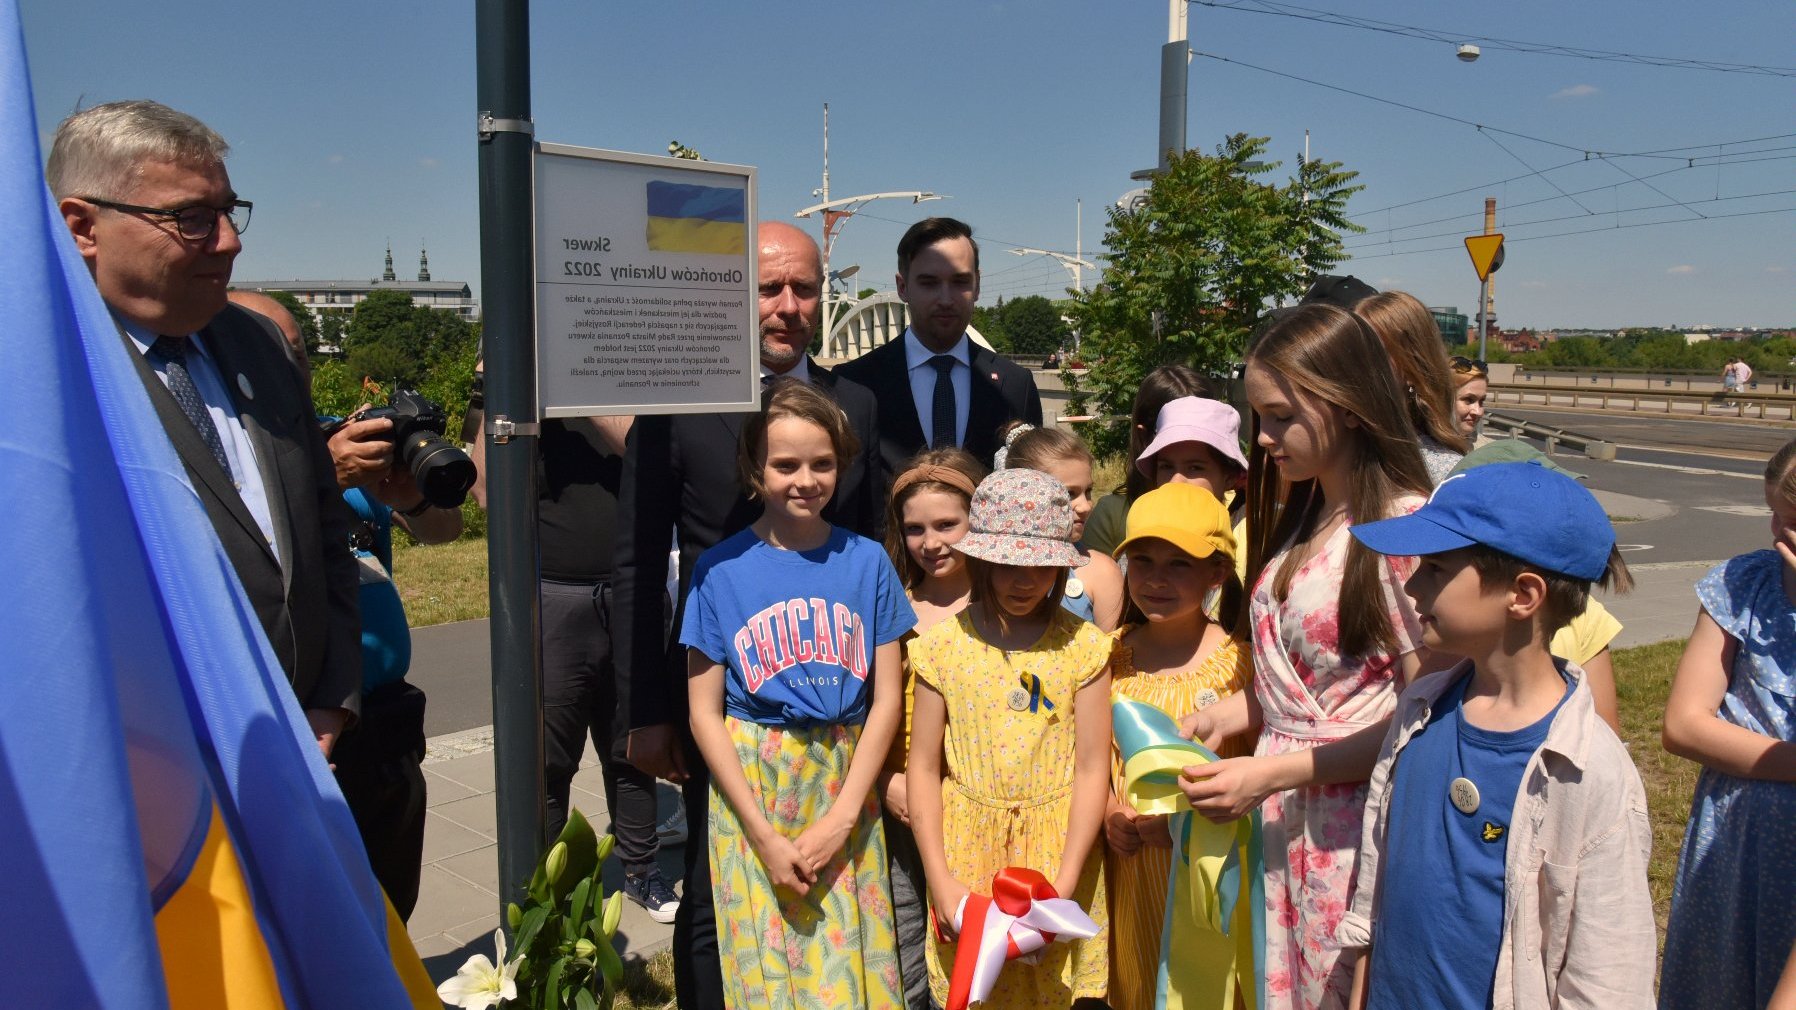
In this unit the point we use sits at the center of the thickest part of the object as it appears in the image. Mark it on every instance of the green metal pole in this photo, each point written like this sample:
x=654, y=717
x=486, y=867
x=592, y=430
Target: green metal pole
x=502, y=57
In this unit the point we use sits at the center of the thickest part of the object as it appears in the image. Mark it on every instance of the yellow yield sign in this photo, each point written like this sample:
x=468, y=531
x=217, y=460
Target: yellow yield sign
x=1487, y=253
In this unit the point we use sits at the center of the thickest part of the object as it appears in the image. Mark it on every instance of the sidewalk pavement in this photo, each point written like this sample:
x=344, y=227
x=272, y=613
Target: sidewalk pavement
x=458, y=901
x=458, y=895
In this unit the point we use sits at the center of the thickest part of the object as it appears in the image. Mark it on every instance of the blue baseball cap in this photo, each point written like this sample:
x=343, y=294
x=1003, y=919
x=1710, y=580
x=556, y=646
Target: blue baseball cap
x=1524, y=510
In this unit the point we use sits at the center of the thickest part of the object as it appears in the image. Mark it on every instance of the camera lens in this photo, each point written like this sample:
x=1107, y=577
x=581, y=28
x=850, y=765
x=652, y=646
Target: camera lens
x=443, y=472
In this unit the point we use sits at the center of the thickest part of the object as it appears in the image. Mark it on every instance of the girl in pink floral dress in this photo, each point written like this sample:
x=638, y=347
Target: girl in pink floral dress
x=1334, y=637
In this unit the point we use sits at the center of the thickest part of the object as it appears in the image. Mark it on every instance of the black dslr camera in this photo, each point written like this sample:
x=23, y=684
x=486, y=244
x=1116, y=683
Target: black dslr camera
x=443, y=472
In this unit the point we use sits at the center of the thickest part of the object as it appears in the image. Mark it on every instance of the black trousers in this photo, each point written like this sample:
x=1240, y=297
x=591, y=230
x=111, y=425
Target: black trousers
x=698, y=971
x=379, y=770
x=580, y=698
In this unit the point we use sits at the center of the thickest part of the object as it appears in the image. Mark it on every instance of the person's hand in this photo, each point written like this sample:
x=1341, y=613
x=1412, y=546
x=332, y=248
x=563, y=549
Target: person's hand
x=1226, y=790
x=822, y=839
x=947, y=902
x=362, y=450
x=657, y=750
x=1119, y=827
x=1786, y=547
x=397, y=489
x=1201, y=726
x=1068, y=881
x=897, y=797
x=1155, y=830
x=787, y=867
x=327, y=725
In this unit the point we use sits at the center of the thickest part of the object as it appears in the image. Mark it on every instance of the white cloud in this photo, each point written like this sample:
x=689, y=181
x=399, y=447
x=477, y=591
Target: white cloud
x=1536, y=285
x=1777, y=270
x=1681, y=269
x=1577, y=91
x=427, y=162
x=335, y=159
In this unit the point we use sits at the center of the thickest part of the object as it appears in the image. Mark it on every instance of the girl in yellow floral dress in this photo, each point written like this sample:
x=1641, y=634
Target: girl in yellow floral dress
x=1010, y=738
x=792, y=630
x=1179, y=548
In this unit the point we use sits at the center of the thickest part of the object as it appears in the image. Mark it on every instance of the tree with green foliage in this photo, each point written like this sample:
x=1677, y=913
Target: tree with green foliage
x=1032, y=325
x=1192, y=270
x=991, y=327
x=390, y=338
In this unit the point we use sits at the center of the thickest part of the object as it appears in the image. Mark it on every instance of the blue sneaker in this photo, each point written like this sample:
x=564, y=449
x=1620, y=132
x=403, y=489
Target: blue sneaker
x=651, y=890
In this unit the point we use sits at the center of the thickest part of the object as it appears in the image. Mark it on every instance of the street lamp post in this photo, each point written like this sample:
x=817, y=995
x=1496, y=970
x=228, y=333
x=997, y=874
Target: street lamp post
x=835, y=212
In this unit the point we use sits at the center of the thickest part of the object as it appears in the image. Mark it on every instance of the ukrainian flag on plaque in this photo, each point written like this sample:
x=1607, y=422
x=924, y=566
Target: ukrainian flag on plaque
x=684, y=218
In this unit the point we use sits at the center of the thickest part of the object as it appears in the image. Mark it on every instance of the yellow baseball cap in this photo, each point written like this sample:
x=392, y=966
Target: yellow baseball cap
x=1185, y=516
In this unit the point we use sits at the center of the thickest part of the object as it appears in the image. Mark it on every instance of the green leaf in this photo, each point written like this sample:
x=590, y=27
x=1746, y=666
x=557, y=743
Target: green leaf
x=582, y=853
x=552, y=992
x=577, y=908
x=610, y=966
x=533, y=924
x=583, y=1001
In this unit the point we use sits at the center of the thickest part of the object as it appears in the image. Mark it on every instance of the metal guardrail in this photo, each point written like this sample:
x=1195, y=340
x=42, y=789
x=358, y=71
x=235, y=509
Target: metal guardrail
x=1644, y=378
x=1515, y=427
x=1768, y=406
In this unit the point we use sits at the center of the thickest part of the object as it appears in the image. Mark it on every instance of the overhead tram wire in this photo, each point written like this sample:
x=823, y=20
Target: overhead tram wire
x=1587, y=152
x=1545, y=199
x=1507, y=240
x=1580, y=161
x=1490, y=42
x=1384, y=243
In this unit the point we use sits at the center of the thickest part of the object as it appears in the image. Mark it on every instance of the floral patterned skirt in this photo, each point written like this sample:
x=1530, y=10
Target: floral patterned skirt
x=834, y=947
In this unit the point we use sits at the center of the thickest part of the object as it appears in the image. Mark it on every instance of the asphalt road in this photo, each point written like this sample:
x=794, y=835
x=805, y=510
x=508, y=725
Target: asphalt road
x=1691, y=491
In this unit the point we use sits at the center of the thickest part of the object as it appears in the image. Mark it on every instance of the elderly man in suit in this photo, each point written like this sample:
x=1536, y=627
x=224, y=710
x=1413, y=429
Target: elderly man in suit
x=679, y=478
x=935, y=387
x=144, y=192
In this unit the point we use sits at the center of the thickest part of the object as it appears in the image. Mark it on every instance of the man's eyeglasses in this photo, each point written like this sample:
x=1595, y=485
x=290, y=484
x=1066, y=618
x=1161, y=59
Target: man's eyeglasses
x=1461, y=363
x=196, y=223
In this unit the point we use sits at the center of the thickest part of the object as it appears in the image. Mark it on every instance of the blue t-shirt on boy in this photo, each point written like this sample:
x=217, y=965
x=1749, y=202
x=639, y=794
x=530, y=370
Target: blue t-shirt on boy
x=795, y=630
x=1440, y=913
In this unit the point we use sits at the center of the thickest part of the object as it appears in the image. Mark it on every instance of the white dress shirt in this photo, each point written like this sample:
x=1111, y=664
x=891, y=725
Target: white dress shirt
x=203, y=369
x=922, y=383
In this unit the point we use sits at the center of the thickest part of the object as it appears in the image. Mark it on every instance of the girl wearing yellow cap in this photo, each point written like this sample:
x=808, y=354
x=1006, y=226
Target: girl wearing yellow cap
x=1180, y=549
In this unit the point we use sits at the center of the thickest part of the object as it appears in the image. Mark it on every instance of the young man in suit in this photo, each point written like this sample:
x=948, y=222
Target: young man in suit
x=679, y=478
x=144, y=192
x=935, y=387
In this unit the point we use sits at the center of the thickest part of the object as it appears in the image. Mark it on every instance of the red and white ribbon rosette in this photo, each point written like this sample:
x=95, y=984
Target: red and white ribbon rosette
x=1023, y=915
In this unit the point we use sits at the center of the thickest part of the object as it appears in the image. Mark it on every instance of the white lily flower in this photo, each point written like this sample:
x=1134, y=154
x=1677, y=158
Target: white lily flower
x=479, y=985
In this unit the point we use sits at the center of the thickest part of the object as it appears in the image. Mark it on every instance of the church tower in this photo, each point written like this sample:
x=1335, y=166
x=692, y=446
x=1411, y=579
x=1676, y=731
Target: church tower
x=388, y=274
x=423, y=263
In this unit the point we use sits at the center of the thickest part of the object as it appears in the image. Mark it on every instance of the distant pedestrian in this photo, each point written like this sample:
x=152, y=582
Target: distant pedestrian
x=1730, y=376
x=1733, y=709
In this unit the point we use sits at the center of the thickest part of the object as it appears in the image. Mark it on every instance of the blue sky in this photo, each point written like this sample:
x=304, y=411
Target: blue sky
x=353, y=124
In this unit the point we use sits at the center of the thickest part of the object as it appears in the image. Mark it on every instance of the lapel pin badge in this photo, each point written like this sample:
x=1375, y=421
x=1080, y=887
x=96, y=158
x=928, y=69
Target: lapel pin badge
x=243, y=384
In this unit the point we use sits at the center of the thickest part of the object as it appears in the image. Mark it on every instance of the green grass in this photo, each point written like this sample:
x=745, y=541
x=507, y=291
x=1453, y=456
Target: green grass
x=1642, y=683
x=441, y=583
x=648, y=985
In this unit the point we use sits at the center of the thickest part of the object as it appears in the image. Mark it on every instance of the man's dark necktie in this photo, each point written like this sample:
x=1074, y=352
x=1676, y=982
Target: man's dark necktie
x=173, y=352
x=942, y=437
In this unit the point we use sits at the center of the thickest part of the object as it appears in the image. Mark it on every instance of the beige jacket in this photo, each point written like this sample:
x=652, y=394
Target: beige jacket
x=1578, y=926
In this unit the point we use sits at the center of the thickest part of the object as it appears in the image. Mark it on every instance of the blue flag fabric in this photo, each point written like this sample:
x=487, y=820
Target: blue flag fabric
x=139, y=687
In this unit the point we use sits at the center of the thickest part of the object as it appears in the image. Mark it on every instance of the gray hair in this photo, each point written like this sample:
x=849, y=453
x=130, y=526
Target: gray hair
x=97, y=151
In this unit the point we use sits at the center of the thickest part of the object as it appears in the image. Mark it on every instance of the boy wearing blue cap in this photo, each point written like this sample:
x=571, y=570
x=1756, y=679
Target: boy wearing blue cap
x=1512, y=817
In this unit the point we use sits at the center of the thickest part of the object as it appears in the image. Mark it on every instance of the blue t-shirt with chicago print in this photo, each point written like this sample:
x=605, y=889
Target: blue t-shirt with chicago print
x=795, y=630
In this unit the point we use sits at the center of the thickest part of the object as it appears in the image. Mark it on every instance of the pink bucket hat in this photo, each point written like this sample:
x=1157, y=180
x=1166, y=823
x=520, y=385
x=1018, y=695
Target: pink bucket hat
x=1195, y=419
x=1021, y=517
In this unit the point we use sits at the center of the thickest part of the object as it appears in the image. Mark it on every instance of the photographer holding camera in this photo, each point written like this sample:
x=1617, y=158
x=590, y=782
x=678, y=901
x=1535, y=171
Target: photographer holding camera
x=378, y=762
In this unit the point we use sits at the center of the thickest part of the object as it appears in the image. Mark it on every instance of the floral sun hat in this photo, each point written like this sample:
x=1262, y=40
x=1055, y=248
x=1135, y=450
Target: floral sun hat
x=1021, y=517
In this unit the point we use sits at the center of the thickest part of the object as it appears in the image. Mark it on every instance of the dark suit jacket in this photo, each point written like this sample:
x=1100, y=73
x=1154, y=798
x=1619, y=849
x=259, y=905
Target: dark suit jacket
x=1001, y=391
x=307, y=606
x=680, y=475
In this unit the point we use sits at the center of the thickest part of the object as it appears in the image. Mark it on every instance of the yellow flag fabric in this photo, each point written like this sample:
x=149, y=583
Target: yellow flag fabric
x=695, y=235
x=213, y=955
x=405, y=961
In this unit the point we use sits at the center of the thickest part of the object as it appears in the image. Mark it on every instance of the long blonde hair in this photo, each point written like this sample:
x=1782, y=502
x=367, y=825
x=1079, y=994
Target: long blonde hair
x=1332, y=354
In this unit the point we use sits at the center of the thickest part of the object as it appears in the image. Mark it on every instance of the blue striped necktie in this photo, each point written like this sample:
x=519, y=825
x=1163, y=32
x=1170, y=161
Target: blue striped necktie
x=173, y=352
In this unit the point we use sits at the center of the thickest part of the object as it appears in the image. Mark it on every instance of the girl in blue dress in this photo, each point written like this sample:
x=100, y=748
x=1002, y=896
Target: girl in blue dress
x=1733, y=708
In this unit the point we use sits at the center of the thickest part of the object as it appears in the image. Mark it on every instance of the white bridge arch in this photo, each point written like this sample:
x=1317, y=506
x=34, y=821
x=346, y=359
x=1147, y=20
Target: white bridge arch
x=874, y=321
